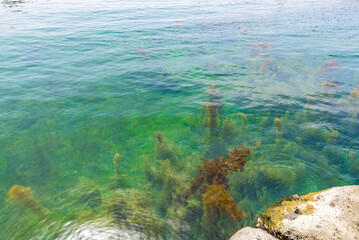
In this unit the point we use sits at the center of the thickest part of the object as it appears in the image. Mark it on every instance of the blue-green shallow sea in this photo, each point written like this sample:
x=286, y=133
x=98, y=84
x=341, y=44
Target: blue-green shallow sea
x=83, y=80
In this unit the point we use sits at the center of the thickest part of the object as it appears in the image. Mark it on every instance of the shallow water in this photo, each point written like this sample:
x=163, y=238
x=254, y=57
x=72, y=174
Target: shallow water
x=82, y=81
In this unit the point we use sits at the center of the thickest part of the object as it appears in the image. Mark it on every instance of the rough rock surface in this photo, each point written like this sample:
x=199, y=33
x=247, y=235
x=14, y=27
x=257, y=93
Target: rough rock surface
x=329, y=214
x=249, y=233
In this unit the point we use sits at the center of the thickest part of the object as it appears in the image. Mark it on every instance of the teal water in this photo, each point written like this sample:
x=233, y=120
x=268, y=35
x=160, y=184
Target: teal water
x=82, y=81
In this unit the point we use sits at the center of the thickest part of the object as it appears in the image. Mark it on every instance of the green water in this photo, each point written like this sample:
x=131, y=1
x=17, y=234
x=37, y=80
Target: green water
x=81, y=82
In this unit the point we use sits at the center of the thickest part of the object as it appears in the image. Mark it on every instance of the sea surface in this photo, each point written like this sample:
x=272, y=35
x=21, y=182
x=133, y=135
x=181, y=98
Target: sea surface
x=107, y=107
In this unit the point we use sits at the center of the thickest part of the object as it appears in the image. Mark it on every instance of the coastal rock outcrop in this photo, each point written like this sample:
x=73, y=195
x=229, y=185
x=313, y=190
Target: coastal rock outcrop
x=328, y=214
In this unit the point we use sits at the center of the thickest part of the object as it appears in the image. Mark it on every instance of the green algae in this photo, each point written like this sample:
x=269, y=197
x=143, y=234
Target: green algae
x=67, y=147
x=143, y=196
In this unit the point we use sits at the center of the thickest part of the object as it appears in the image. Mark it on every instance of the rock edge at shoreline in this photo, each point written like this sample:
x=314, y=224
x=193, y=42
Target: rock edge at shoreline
x=324, y=215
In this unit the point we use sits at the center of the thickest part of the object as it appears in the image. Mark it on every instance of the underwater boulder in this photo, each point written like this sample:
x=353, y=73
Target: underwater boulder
x=101, y=228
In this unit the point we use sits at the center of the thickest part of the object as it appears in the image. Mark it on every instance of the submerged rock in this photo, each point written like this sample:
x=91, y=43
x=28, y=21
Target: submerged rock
x=329, y=214
x=97, y=229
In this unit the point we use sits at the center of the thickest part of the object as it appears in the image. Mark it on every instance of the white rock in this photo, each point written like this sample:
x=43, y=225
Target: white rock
x=249, y=233
x=335, y=216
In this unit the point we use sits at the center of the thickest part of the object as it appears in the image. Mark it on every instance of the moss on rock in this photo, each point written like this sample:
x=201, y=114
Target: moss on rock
x=272, y=218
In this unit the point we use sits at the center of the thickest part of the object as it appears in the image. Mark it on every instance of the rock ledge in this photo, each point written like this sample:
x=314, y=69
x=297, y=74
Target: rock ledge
x=329, y=214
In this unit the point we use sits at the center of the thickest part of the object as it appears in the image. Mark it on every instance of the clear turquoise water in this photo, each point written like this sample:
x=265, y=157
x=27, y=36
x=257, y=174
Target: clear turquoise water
x=81, y=81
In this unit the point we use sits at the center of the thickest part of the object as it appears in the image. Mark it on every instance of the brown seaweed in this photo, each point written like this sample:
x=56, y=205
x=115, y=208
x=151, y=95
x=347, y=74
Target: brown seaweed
x=22, y=195
x=355, y=92
x=263, y=45
x=244, y=122
x=216, y=197
x=213, y=116
x=328, y=84
x=212, y=178
x=203, y=114
x=116, y=162
x=278, y=125
x=328, y=66
x=215, y=94
x=266, y=65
